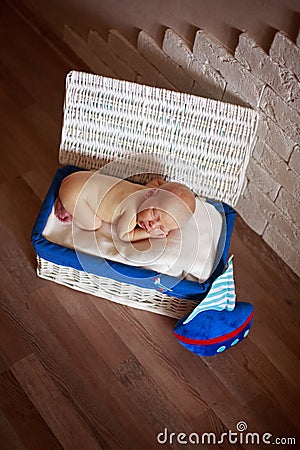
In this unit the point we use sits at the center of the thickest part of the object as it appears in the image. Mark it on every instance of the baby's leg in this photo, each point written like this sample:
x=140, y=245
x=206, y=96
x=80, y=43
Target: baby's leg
x=61, y=213
x=84, y=217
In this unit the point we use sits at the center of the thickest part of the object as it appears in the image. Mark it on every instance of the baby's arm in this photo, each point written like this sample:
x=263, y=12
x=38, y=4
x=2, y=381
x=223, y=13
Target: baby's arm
x=136, y=234
x=127, y=230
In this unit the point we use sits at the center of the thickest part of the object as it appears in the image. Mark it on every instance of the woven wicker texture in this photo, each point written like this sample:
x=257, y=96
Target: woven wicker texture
x=203, y=143
x=126, y=294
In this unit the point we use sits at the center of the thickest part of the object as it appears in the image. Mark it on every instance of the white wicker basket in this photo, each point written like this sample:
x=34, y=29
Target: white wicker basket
x=132, y=130
x=116, y=291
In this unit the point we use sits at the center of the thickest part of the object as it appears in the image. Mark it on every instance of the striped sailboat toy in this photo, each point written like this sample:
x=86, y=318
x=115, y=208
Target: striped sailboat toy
x=221, y=295
x=218, y=322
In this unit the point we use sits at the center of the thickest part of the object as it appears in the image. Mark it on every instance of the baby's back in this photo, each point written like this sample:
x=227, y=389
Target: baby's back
x=103, y=193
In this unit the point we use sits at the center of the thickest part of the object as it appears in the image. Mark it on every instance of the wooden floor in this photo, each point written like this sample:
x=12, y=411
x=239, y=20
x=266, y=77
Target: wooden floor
x=78, y=372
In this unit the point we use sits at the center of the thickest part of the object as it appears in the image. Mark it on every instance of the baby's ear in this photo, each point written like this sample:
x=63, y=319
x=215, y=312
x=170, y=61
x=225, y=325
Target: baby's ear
x=151, y=192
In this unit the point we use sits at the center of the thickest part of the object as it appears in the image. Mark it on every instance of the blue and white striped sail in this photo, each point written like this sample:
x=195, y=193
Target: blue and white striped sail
x=221, y=295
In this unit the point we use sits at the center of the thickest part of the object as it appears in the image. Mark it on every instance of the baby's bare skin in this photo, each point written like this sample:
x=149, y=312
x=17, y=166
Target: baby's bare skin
x=87, y=198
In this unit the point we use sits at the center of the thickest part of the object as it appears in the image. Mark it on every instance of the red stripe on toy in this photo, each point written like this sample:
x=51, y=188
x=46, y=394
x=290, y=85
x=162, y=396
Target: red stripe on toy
x=215, y=340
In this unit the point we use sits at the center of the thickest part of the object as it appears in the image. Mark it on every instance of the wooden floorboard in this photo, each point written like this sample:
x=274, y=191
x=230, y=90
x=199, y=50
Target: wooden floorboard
x=78, y=372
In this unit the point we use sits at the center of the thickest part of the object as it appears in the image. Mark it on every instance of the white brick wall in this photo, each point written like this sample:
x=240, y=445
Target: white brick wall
x=286, y=53
x=127, y=52
x=249, y=202
x=279, y=78
x=280, y=170
x=263, y=179
x=101, y=49
x=294, y=162
x=288, y=205
x=209, y=81
x=165, y=65
x=278, y=140
x=282, y=247
x=271, y=213
x=281, y=113
x=240, y=80
x=266, y=81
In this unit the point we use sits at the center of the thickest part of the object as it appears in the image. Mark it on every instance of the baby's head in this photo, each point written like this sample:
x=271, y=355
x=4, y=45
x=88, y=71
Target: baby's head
x=166, y=208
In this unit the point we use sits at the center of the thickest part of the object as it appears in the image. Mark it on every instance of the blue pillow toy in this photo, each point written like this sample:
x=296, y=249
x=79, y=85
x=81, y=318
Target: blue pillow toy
x=212, y=332
x=217, y=323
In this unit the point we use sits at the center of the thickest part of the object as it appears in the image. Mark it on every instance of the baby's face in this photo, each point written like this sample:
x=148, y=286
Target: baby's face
x=151, y=219
x=162, y=211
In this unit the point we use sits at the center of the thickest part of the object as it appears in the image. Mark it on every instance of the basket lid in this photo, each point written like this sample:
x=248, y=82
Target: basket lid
x=126, y=128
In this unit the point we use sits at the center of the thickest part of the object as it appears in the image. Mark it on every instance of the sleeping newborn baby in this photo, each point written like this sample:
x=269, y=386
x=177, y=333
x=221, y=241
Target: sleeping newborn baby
x=88, y=198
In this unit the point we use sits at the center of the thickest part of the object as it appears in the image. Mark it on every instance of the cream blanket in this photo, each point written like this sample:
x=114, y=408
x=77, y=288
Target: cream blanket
x=189, y=252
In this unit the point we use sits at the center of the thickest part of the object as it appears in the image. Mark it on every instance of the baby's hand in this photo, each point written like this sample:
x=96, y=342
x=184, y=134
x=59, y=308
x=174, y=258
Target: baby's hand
x=157, y=182
x=157, y=234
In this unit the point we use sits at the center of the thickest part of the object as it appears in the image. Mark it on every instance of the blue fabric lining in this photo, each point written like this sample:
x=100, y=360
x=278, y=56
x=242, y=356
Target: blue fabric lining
x=121, y=272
